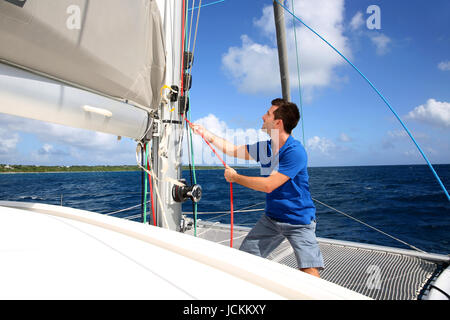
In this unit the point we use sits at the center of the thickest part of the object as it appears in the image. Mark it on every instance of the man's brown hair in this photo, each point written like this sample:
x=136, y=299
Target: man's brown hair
x=288, y=112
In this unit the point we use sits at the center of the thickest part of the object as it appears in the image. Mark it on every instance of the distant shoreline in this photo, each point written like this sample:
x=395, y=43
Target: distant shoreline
x=6, y=169
x=11, y=169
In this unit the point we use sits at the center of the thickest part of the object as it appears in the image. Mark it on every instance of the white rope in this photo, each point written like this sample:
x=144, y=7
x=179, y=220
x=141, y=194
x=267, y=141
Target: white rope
x=126, y=209
x=208, y=229
x=367, y=225
x=180, y=138
x=151, y=173
x=226, y=212
x=234, y=238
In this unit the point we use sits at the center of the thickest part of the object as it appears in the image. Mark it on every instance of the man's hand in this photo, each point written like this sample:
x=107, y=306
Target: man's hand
x=200, y=130
x=223, y=145
x=230, y=174
x=264, y=184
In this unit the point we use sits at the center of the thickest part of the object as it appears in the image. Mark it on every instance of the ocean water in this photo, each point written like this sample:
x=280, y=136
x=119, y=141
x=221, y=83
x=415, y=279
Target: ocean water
x=403, y=201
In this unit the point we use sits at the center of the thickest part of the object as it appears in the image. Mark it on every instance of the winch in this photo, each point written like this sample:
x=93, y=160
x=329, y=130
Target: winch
x=181, y=194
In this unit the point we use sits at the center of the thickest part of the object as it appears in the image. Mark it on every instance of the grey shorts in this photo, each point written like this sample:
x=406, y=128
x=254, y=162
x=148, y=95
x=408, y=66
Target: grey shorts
x=268, y=234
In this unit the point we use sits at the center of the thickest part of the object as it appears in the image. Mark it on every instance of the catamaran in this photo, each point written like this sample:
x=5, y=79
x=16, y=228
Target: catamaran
x=76, y=64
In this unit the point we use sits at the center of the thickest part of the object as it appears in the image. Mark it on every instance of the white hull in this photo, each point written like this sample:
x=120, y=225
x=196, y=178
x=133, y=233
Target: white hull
x=52, y=252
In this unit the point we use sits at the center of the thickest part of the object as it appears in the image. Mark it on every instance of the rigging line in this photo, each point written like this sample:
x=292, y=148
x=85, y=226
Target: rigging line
x=367, y=225
x=189, y=72
x=143, y=183
x=191, y=176
x=122, y=210
x=158, y=196
x=144, y=217
x=194, y=173
x=135, y=216
x=212, y=148
x=231, y=185
x=189, y=134
x=253, y=205
x=298, y=76
x=183, y=38
x=241, y=236
x=240, y=210
x=190, y=25
x=227, y=212
x=208, y=229
x=207, y=4
x=189, y=152
x=195, y=35
x=379, y=94
x=183, y=47
x=192, y=149
x=150, y=182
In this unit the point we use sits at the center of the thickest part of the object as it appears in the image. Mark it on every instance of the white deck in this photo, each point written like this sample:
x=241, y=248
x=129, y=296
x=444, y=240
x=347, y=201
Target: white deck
x=51, y=252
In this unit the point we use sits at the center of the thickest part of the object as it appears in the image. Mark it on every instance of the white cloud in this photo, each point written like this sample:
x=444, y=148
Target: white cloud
x=433, y=112
x=381, y=43
x=8, y=141
x=63, y=145
x=343, y=137
x=47, y=148
x=357, y=21
x=444, y=66
x=253, y=67
x=323, y=145
x=202, y=152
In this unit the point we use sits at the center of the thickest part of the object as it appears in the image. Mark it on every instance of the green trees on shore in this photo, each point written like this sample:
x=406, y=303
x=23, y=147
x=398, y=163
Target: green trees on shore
x=5, y=168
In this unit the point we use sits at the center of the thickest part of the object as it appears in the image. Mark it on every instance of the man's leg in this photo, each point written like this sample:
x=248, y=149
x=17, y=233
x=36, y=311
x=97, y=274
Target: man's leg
x=263, y=238
x=306, y=248
x=311, y=271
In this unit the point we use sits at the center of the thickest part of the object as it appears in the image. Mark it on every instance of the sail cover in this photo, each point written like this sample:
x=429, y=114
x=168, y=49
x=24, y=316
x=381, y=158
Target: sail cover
x=114, y=47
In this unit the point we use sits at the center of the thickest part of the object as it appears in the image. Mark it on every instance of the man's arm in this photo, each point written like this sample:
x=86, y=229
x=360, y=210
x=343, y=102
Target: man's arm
x=223, y=145
x=264, y=184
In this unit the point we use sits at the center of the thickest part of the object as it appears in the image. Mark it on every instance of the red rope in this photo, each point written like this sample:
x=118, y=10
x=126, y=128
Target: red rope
x=223, y=162
x=151, y=189
x=231, y=185
x=182, y=48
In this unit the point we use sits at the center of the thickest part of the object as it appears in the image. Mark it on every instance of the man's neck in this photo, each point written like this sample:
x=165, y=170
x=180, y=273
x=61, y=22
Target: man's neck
x=279, y=140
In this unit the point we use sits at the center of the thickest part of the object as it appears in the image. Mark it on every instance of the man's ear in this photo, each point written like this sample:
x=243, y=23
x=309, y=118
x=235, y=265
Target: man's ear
x=280, y=123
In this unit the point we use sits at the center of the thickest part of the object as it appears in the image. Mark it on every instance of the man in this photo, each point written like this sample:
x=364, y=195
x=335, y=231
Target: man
x=290, y=212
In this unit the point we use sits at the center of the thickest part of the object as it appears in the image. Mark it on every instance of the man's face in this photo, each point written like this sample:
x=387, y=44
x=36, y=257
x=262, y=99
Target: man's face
x=268, y=119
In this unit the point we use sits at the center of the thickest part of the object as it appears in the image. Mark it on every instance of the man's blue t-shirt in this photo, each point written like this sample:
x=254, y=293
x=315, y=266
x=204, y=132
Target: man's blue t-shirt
x=290, y=202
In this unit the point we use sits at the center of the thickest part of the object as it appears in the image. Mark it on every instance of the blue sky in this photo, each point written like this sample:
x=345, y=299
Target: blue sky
x=235, y=76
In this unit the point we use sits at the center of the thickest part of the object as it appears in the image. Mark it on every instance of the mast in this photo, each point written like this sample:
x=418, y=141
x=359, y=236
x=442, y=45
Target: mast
x=280, y=27
x=168, y=127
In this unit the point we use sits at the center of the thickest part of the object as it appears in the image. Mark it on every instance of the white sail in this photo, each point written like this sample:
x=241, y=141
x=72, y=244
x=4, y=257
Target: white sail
x=114, y=47
x=28, y=95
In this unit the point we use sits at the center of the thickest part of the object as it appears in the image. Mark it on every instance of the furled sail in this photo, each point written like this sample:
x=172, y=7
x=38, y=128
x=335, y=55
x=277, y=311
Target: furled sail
x=112, y=47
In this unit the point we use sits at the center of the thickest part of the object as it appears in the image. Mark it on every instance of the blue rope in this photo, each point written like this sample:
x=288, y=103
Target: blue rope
x=381, y=96
x=205, y=5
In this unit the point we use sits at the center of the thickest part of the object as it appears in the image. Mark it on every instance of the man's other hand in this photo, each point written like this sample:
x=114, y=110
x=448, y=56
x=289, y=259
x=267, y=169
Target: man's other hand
x=230, y=174
x=200, y=130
